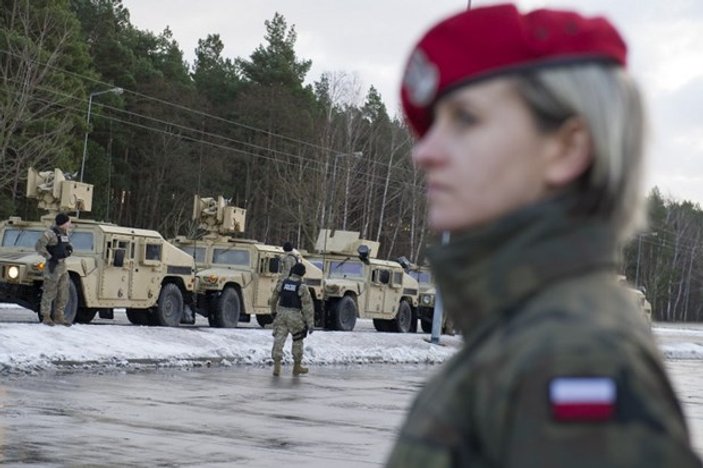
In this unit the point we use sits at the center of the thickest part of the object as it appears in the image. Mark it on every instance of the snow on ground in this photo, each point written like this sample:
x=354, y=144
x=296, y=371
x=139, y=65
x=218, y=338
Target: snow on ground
x=31, y=347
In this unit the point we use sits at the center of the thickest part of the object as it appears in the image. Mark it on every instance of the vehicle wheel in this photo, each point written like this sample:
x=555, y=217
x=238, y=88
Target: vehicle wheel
x=71, y=309
x=403, y=319
x=264, y=319
x=138, y=316
x=85, y=315
x=169, y=308
x=227, y=309
x=345, y=314
x=380, y=325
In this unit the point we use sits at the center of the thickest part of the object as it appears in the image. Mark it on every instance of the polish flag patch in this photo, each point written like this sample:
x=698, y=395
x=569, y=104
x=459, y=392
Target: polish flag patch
x=582, y=399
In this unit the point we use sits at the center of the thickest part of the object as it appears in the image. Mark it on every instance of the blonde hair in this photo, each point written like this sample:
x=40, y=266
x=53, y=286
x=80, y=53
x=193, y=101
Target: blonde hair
x=608, y=100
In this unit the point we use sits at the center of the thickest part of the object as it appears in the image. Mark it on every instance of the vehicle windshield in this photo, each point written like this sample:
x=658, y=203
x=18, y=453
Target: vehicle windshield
x=230, y=257
x=346, y=269
x=199, y=252
x=27, y=238
x=316, y=261
x=422, y=277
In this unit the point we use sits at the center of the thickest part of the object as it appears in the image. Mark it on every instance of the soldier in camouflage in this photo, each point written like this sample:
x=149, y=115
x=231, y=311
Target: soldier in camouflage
x=55, y=247
x=530, y=137
x=293, y=314
x=289, y=259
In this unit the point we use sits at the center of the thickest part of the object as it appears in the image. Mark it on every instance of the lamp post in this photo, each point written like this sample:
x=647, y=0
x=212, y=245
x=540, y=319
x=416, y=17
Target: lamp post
x=639, y=252
x=87, y=130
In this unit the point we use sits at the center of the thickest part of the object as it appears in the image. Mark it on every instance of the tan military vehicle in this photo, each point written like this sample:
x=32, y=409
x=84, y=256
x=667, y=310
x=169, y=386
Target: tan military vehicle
x=640, y=299
x=425, y=310
x=111, y=266
x=359, y=285
x=235, y=277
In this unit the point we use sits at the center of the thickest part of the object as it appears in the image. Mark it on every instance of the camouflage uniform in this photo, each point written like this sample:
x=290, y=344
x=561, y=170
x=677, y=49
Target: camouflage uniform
x=291, y=320
x=55, y=287
x=287, y=262
x=537, y=299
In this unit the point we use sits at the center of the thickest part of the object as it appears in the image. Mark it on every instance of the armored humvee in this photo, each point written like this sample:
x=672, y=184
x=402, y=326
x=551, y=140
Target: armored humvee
x=111, y=266
x=359, y=285
x=425, y=309
x=640, y=299
x=235, y=277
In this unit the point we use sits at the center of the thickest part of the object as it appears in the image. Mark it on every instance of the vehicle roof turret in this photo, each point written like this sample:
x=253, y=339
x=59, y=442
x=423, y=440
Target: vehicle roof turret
x=56, y=191
x=217, y=217
x=344, y=243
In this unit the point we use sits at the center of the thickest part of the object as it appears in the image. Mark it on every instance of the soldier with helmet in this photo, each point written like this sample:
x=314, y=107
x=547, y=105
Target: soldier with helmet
x=530, y=136
x=294, y=315
x=55, y=247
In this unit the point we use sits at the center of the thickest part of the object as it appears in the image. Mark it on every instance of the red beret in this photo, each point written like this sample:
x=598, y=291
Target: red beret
x=494, y=40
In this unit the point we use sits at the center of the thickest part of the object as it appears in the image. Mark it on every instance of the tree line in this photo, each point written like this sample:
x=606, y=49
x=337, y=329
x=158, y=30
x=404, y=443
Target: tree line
x=297, y=156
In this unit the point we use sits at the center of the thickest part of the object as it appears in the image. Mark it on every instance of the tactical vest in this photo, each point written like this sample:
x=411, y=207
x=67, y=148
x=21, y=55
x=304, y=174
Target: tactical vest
x=289, y=294
x=63, y=247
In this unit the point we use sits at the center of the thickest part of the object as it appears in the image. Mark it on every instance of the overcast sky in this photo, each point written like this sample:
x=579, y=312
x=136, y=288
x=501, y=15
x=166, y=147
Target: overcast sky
x=370, y=39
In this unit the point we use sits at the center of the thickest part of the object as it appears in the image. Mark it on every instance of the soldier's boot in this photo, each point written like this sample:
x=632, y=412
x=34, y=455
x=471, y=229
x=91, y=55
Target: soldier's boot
x=299, y=369
x=276, y=367
x=46, y=320
x=61, y=320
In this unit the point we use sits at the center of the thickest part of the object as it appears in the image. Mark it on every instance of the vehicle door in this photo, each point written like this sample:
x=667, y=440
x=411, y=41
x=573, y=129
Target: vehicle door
x=394, y=291
x=376, y=292
x=119, y=261
x=268, y=275
x=147, y=272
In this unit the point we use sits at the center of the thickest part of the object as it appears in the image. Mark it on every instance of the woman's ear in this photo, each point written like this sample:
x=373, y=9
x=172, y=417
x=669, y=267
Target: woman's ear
x=570, y=154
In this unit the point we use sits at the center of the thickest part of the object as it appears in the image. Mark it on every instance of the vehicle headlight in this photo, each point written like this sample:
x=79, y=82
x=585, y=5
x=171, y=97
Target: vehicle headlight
x=211, y=279
x=426, y=300
x=13, y=272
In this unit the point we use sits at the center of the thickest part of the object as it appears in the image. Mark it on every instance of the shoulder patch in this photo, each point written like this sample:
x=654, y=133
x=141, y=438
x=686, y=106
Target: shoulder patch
x=582, y=399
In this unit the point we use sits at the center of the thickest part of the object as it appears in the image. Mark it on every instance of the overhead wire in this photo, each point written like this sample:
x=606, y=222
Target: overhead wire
x=379, y=182
x=185, y=108
x=384, y=165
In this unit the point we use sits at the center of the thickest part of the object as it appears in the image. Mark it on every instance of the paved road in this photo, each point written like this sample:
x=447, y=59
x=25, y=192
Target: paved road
x=341, y=417
x=236, y=416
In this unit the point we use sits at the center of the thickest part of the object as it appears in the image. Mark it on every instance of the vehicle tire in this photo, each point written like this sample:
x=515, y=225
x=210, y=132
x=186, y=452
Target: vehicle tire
x=345, y=312
x=85, y=315
x=227, y=309
x=169, y=308
x=264, y=319
x=71, y=309
x=426, y=326
x=402, y=323
x=138, y=316
x=380, y=325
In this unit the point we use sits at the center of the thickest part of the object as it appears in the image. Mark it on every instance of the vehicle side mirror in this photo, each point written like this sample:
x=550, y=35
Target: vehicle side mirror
x=384, y=276
x=119, y=257
x=363, y=251
x=274, y=265
x=404, y=262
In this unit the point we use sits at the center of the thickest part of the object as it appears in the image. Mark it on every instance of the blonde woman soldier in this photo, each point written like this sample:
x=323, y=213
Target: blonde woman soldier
x=530, y=138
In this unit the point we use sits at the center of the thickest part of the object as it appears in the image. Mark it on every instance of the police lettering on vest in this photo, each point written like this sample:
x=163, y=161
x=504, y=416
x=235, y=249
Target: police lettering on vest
x=63, y=247
x=289, y=294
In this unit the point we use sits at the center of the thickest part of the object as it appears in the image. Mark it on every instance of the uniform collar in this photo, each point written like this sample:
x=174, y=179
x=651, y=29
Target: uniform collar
x=485, y=272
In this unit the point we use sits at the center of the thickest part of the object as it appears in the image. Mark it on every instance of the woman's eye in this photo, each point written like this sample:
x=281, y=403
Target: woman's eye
x=463, y=118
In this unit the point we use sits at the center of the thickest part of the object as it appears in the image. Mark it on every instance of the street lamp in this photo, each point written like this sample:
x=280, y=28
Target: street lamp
x=87, y=130
x=639, y=251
